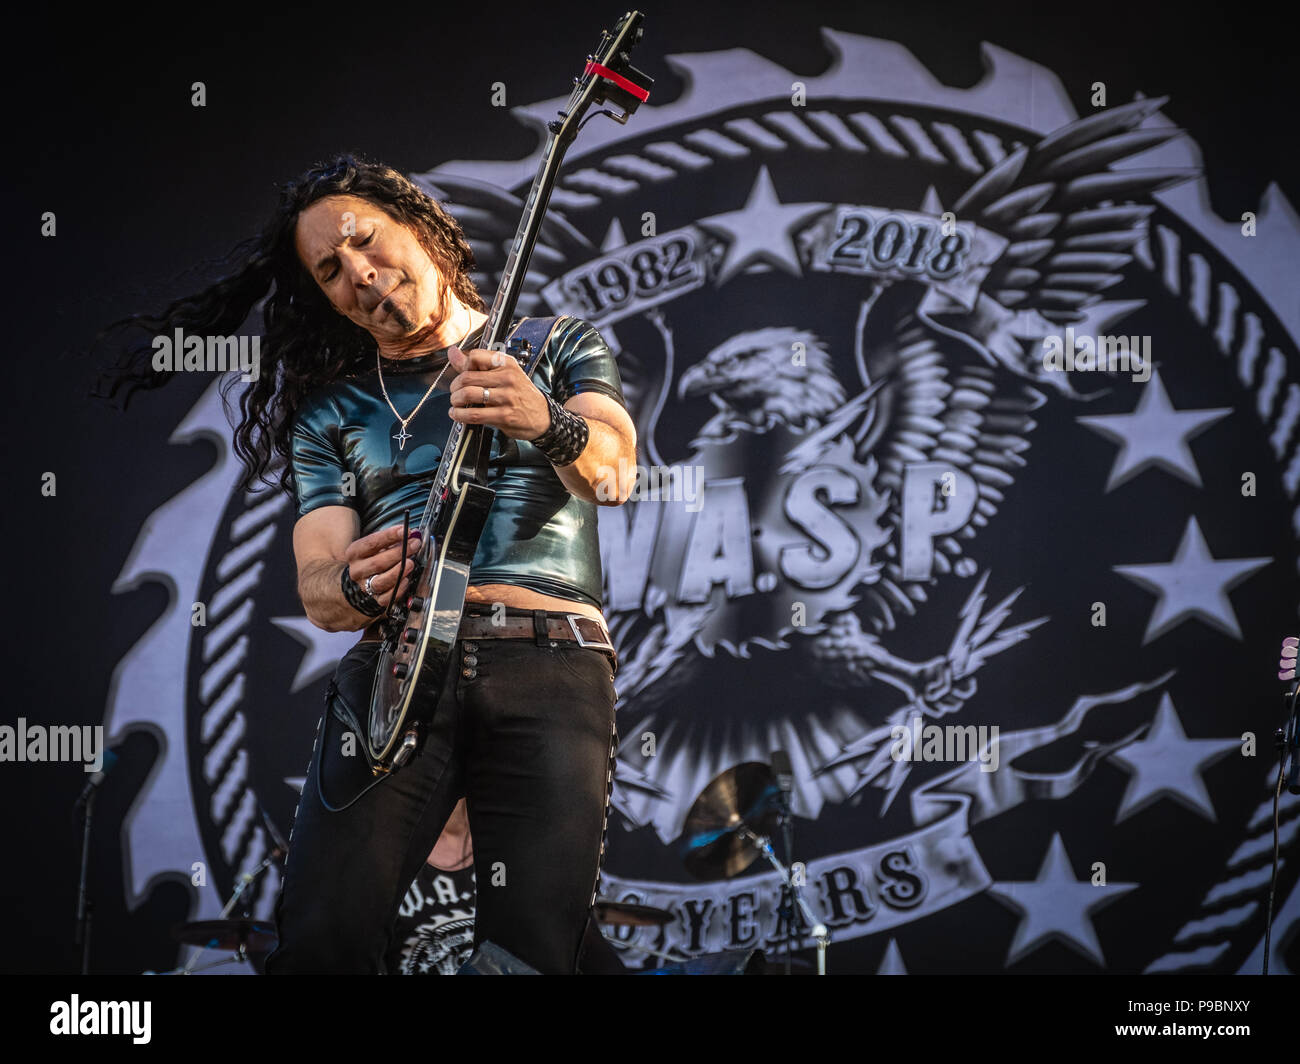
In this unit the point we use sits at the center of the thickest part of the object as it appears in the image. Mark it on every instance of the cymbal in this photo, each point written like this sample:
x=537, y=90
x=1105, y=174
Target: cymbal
x=249, y=935
x=744, y=796
x=625, y=914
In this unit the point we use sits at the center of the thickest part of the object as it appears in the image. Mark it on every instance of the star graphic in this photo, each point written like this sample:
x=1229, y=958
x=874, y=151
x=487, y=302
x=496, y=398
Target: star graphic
x=1154, y=435
x=1056, y=906
x=1194, y=585
x=1168, y=764
x=931, y=203
x=324, y=649
x=762, y=231
x=614, y=239
x=892, y=962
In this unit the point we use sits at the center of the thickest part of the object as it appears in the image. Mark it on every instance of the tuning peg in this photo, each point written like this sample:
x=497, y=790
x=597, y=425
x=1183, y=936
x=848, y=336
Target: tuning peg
x=1286, y=663
x=1291, y=642
x=1289, y=674
x=1288, y=652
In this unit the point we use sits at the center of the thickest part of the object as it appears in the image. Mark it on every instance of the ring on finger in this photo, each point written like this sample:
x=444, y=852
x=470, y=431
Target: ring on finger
x=370, y=580
x=486, y=392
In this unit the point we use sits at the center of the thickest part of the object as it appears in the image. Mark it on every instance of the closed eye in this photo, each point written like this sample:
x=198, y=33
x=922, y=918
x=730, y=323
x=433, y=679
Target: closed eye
x=325, y=278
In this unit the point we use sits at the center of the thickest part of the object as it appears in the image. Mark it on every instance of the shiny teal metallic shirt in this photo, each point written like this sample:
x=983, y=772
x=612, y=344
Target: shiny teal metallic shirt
x=538, y=535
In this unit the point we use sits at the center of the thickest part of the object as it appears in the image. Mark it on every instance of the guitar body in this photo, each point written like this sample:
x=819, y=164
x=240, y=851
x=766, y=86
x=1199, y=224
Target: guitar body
x=412, y=666
x=420, y=634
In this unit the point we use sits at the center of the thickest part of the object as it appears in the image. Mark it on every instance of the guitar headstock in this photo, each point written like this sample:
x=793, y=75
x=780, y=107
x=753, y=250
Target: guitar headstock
x=608, y=77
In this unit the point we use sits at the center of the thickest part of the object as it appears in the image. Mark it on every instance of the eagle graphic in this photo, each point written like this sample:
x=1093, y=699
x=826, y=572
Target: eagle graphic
x=762, y=663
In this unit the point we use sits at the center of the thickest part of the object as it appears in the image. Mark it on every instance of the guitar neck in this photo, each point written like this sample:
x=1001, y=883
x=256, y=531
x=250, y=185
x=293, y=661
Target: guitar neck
x=607, y=79
x=462, y=437
x=521, y=251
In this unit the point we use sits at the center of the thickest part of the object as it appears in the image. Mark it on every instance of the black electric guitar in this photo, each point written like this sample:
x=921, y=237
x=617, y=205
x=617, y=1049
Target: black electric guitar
x=419, y=634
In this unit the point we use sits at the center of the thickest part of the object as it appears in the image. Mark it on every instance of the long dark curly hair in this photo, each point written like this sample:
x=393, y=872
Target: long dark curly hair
x=305, y=342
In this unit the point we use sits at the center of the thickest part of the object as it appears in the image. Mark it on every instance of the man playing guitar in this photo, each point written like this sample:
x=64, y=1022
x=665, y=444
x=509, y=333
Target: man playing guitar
x=373, y=328
x=524, y=727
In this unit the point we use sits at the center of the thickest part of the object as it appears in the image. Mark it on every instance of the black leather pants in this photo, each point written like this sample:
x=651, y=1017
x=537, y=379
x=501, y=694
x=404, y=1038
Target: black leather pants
x=526, y=735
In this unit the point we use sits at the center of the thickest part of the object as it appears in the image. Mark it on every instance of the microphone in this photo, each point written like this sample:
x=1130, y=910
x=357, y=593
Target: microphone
x=1286, y=666
x=1293, y=751
x=784, y=773
x=1290, y=732
x=96, y=778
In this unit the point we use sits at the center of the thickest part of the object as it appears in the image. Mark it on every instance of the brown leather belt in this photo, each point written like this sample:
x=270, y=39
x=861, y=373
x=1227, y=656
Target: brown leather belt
x=538, y=625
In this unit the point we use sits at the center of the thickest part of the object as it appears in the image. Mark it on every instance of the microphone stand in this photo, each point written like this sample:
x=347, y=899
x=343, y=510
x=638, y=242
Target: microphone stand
x=1288, y=742
x=1287, y=739
x=84, y=905
x=245, y=881
x=86, y=803
x=786, y=823
x=819, y=930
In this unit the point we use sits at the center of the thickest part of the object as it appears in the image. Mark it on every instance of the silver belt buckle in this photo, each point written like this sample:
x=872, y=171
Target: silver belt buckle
x=573, y=619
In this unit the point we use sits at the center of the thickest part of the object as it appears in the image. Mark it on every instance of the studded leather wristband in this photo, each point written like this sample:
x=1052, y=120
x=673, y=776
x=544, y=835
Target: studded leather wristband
x=357, y=597
x=566, y=437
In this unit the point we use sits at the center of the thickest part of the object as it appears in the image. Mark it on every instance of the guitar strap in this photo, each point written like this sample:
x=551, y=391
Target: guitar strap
x=537, y=332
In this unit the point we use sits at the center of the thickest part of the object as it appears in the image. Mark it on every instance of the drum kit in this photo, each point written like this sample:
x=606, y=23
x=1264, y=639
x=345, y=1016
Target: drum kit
x=245, y=939
x=729, y=826
x=250, y=940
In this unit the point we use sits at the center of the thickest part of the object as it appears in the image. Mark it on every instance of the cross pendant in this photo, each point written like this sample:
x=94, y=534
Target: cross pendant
x=401, y=438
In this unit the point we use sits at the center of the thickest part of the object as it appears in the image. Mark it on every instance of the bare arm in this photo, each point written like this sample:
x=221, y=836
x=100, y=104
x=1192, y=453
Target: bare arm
x=324, y=541
x=606, y=470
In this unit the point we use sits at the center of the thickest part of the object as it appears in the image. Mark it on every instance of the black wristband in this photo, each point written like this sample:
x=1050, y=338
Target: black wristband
x=566, y=437
x=357, y=597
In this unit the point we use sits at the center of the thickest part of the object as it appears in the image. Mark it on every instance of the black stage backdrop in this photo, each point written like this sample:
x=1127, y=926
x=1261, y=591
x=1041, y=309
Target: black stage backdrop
x=1109, y=593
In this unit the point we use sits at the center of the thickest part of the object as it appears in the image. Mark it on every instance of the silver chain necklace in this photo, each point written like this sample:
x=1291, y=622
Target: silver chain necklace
x=402, y=435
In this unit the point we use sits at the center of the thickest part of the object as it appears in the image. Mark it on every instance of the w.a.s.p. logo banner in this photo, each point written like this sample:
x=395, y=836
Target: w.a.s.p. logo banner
x=967, y=475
